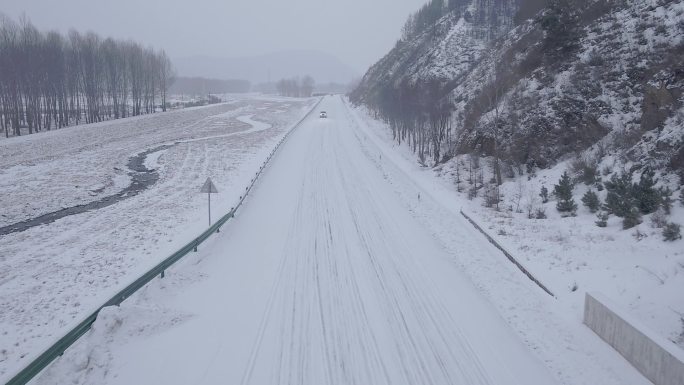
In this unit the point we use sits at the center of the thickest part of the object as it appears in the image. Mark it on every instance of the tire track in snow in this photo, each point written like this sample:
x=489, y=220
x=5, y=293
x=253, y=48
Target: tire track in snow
x=314, y=305
x=399, y=282
x=325, y=332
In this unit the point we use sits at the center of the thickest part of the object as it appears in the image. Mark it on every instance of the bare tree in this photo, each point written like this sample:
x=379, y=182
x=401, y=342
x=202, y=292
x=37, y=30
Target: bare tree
x=494, y=121
x=307, y=86
x=518, y=194
x=166, y=76
x=296, y=87
x=531, y=203
x=49, y=81
x=12, y=104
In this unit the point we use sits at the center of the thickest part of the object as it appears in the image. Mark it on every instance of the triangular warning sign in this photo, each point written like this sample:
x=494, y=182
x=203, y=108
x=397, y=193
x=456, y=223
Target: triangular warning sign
x=209, y=187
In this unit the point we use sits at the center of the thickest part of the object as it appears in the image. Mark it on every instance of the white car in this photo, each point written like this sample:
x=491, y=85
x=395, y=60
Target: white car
x=323, y=115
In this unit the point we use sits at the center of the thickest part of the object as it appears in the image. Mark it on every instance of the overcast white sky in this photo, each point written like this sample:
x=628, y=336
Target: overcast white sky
x=359, y=32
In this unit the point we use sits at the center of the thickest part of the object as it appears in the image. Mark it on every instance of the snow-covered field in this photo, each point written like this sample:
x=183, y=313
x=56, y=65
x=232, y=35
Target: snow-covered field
x=52, y=276
x=348, y=264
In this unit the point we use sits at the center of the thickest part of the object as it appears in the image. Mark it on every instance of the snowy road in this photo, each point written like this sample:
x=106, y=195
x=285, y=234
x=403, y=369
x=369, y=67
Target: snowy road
x=324, y=277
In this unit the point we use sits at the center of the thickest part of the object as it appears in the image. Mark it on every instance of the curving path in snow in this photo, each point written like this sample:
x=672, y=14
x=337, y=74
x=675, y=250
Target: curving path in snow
x=142, y=178
x=256, y=126
x=324, y=277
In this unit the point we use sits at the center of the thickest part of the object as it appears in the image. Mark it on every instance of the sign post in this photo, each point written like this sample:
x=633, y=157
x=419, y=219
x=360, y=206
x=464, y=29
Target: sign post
x=209, y=189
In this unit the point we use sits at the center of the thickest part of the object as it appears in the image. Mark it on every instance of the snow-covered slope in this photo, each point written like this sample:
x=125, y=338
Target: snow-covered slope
x=443, y=52
x=540, y=92
x=570, y=256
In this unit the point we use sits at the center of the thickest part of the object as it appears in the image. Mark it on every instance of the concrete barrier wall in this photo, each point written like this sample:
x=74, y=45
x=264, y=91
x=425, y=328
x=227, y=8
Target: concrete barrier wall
x=658, y=359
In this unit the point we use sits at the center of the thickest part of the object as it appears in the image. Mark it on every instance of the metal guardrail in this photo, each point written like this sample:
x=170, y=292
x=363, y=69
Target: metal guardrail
x=508, y=255
x=58, y=348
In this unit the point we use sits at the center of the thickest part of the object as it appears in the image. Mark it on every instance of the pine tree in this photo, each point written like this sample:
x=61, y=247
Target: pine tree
x=540, y=213
x=591, y=200
x=631, y=219
x=563, y=192
x=619, y=200
x=645, y=194
x=602, y=219
x=666, y=199
x=672, y=232
x=544, y=194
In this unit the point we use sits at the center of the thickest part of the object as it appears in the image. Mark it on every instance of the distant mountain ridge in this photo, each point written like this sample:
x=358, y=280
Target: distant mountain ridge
x=323, y=67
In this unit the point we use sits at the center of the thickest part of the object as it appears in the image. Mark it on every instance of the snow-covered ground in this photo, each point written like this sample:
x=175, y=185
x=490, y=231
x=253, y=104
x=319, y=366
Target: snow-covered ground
x=324, y=277
x=347, y=264
x=52, y=276
x=570, y=256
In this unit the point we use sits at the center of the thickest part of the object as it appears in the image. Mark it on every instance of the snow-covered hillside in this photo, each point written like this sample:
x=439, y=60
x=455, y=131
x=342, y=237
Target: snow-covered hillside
x=591, y=87
x=585, y=75
x=619, y=90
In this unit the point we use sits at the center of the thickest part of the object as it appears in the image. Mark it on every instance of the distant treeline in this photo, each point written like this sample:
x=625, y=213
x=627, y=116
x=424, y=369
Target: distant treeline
x=296, y=87
x=48, y=80
x=203, y=86
x=333, y=88
x=325, y=88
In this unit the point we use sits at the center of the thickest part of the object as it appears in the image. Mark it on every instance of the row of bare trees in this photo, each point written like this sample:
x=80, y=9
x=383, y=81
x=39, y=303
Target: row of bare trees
x=296, y=87
x=50, y=81
x=419, y=109
x=418, y=114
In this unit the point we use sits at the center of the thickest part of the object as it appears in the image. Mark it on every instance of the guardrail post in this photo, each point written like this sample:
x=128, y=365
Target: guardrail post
x=162, y=274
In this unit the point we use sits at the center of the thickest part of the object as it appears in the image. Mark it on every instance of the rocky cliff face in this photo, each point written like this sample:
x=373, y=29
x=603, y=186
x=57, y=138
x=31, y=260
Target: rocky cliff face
x=532, y=82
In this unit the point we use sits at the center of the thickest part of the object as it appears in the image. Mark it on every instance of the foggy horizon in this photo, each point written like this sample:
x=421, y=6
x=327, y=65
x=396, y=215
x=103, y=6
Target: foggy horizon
x=356, y=32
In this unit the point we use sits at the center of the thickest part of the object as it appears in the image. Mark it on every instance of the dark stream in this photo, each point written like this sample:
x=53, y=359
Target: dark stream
x=141, y=179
